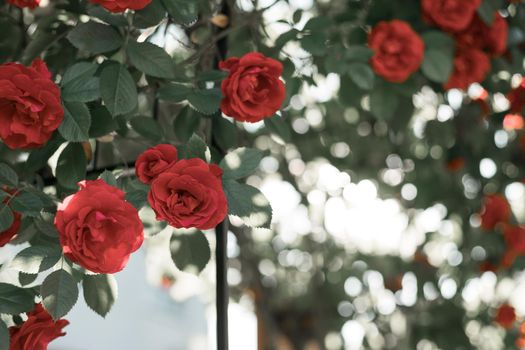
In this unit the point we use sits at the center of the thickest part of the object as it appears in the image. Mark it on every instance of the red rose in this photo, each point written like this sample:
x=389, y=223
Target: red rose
x=189, y=194
x=470, y=66
x=98, y=229
x=398, y=50
x=121, y=5
x=516, y=98
x=37, y=331
x=505, y=316
x=492, y=39
x=10, y=233
x=30, y=107
x=155, y=161
x=252, y=91
x=495, y=209
x=515, y=239
x=449, y=15
x=25, y=3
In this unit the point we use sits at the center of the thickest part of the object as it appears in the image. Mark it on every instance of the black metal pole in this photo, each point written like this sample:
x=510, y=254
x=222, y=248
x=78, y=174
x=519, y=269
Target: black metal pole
x=221, y=231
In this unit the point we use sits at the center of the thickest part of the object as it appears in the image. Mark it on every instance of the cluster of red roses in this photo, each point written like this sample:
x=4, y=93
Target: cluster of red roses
x=496, y=213
x=399, y=50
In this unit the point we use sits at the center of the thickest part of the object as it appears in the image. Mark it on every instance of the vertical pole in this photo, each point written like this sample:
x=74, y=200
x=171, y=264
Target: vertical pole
x=221, y=257
x=221, y=231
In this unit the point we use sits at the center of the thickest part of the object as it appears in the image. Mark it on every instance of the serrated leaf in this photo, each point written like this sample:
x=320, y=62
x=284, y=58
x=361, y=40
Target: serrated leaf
x=27, y=203
x=82, y=90
x=15, y=300
x=117, y=89
x=78, y=71
x=190, y=251
x=100, y=292
x=277, y=126
x=6, y=217
x=95, y=37
x=59, y=293
x=137, y=198
x=182, y=11
x=114, y=19
x=205, y=101
x=174, y=92
x=241, y=162
x=248, y=203
x=35, y=259
x=8, y=176
x=150, y=59
x=45, y=227
x=71, y=166
x=186, y=123
x=26, y=278
x=150, y=15
x=109, y=178
x=195, y=148
x=77, y=120
x=147, y=127
x=102, y=123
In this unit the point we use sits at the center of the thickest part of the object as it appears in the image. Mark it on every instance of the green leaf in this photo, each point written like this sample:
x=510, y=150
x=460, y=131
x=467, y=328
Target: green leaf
x=150, y=59
x=26, y=278
x=435, y=39
x=147, y=127
x=174, y=92
x=8, y=176
x=4, y=336
x=314, y=43
x=10, y=37
x=224, y=133
x=118, y=90
x=248, y=203
x=150, y=15
x=95, y=37
x=102, y=123
x=27, y=202
x=137, y=197
x=186, y=123
x=79, y=71
x=6, y=217
x=277, y=126
x=77, y=120
x=59, y=293
x=362, y=75
x=190, y=251
x=38, y=158
x=71, y=166
x=182, y=11
x=358, y=53
x=99, y=12
x=100, y=292
x=195, y=148
x=35, y=259
x=15, y=300
x=383, y=102
x=206, y=101
x=46, y=227
x=487, y=10
x=437, y=65
x=109, y=178
x=211, y=75
x=85, y=90
x=241, y=163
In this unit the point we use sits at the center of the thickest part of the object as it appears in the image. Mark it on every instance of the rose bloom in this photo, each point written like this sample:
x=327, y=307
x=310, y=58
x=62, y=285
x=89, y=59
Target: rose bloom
x=121, y=5
x=37, y=331
x=495, y=209
x=252, y=91
x=7, y=235
x=154, y=161
x=516, y=98
x=492, y=39
x=98, y=229
x=30, y=107
x=505, y=316
x=515, y=238
x=189, y=194
x=25, y=3
x=398, y=50
x=449, y=15
x=470, y=66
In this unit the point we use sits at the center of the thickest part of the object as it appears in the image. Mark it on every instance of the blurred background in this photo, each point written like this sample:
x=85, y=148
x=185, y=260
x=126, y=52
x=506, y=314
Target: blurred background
x=376, y=240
